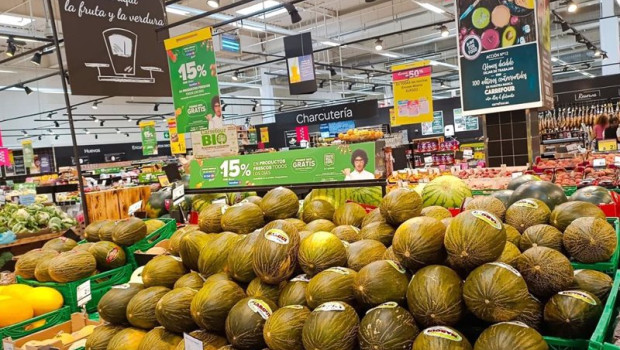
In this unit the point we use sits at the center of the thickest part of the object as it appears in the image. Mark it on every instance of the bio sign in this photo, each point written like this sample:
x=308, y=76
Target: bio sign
x=215, y=143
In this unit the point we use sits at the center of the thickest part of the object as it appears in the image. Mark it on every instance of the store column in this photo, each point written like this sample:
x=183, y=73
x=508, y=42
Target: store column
x=609, y=38
x=266, y=91
x=513, y=138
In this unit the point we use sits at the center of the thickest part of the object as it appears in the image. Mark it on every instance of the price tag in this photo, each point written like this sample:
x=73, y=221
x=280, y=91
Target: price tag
x=428, y=160
x=617, y=161
x=8, y=345
x=599, y=163
x=104, y=183
x=2, y=199
x=83, y=294
x=163, y=180
x=572, y=147
x=192, y=343
x=468, y=153
x=178, y=192
x=134, y=207
x=516, y=174
x=219, y=201
x=26, y=199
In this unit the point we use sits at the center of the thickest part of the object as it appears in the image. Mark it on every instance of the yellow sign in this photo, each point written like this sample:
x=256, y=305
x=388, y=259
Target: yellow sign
x=177, y=141
x=607, y=145
x=264, y=135
x=189, y=38
x=413, y=93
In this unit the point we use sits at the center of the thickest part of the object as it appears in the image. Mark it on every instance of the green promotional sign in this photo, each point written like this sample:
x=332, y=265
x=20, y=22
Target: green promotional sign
x=434, y=127
x=149, y=138
x=324, y=164
x=193, y=78
x=28, y=152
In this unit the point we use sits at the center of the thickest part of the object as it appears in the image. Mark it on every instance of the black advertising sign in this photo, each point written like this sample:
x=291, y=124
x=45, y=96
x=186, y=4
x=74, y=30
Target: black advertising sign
x=300, y=64
x=328, y=114
x=112, y=47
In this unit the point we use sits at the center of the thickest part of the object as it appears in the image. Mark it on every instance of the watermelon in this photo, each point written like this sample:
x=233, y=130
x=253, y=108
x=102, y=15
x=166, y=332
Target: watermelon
x=447, y=191
x=339, y=196
x=593, y=194
x=518, y=181
x=504, y=196
x=547, y=192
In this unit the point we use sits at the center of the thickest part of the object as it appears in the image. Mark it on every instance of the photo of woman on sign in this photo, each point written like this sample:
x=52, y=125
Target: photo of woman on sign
x=216, y=121
x=359, y=159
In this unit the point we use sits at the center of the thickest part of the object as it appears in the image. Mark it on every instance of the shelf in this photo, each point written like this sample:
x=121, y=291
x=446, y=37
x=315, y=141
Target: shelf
x=432, y=152
x=40, y=238
x=557, y=141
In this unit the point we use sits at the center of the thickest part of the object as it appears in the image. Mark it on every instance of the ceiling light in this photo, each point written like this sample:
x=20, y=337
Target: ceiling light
x=332, y=71
x=374, y=88
x=14, y=20
x=565, y=69
x=321, y=84
x=304, y=103
x=49, y=116
x=36, y=58
x=87, y=131
x=11, y=48
x=330, y=43
x=443, y=84
x=351, y=85
x=94, y=119
x=128, y=118
x=27, y=90
x=118, y=131
x=235, y=76
x=101, y=122
x=604, y=55
x=597, y=53
x=390, y=55
x=571, y=6
x=127, y=134
x=379, y=44
x=56, y=124
x=39, y=137
x=177, y=11
x=56, y=137
x=444, y=31
x=256, y=103
x=292, y=11
x=25, y=132
x=214, y=3
x=96, y=137
x=96, y=104
x=261, y=6
x=156, y=107
x=554, y=59
x=430, y=7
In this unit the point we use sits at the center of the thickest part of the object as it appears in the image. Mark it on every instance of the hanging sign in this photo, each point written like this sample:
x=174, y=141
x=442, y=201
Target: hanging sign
x=434, y=127
x=5, y=159
x=193, y=77
x=464, y=123
x=28, y=153
x=177, y=141
x=302, y=133
x=46, y=165
x=215, y=143
x=413, y=93
x=504, y=57
x=149, y=138
x=264, y=135
x=113, y=49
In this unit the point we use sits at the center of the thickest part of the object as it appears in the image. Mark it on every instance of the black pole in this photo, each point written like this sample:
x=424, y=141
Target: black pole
x=63, y=78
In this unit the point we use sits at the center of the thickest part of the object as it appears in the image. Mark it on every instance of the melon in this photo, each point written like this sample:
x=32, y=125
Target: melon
x=91, y=232
x=240, y=258
x=279, y=203
x=163, y=270
x=592, y=194
x=190, y=247
x=572, y=314
x=373, y=216
x=140, y=311
x=495, y=292
x=434, y=296
x=400, y=205
x=213, y=302
x=300, y=225
x=259, y=289
x=419, y=242
x=153, y=225
x=590, y=240
x=26, y=264
x=387, y=327
x=108, y=255
x=71, y=266
x=441, y=337
x=210, y=218
x=160, y=339
x=317, y=209
x=331, y=326
x=594, y=282
x=254, y=199
x=333, y=284
x=106, y=230
x=173, y=310
x=209, y=341
x=275, y=252
x=320, y=251
x=379, y=231
x=545, y=270
x=213, y=256
x=362, y=253
x=192, y=280
x=242, y=218
x=245, y=323
x=389, y=255
x=510, y=253
x=101, y=336
x=503, y=196
x=60, y=244
x=527, y=212
x=129, y=231
x=445, y=191
x=113, y=305
x=517, y=334
x=541, y=236
x=294, y=292
x=282, y=331
x=473, y=238
x=436, y=212
x=349, y=214
x=520, y=180
x=565, y=213
x=347, y=233
x=513, y=235
x=222, y=276
x=320, y=225
x=447, y=221
x=41, y=271
x=175, y=240
x=488, y=204
x=551, y=194
x=127, y=339
x=379, y=282
x=532, y=314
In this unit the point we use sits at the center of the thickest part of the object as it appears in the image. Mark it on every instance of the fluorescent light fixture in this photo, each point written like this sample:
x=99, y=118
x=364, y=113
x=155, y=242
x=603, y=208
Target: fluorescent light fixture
x=23, y=39
x=7, y=71
x=572, y=7
x=330, y=43
x=248, y=27
x=554, y=59
x=261, y=6
x=390, y=55
x=430, y=7
x=177, y=11
x=15, y=20
x=214, y=3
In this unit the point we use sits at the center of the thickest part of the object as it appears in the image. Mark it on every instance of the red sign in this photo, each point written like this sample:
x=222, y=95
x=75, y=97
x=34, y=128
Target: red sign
x=5, y=159
x=302, y=133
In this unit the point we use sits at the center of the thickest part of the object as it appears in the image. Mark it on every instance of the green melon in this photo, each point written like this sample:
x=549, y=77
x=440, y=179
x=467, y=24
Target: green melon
x=299, y=224
x=565, y=213
x=108, y=255
x=209, y=341
x=447, y=221
x=513, y=235
x=275, y=252
x=280, y=203
x=254, y=199
x=213, y=256
x=320, y=225
x=445, y=191
x=532, y=314
x=590, y=240
x=190, y=247
x=541, y=236
x=387, y=327
x=495, y=292
x=175, y=240
x=593, y=194
x=333, y=284
x=91, y=232
x=160, y=339
x=419, y=242
x=141, y=307
x=153, y=225
x=282, y=331
x=129, y=231
x=517, y=334
x=163, y=270
x=222, y=276
x=504, y=196
x=294, y=292
x=436, y=212
x=434, y=296
x=551, y=194
x=210, y=218
x=260, y=289
x=545, y=270
x=331, y=326
x=26, y=265
x=362, y=253
x=400, y=205
x=520, y=180
x=127, y=339
x=509, y=254
x=101, y=336
x=379, y=231
x=242, y=218
x=106, y=230
x=60, y=244
x=113, y=305
x=71, y=266
x=191, y=280
x=373, y=216
x=527, y=212
x=213, y=302
x=347, y=233
x=84, y=246
x=441, y=337
x=245, y=323
x=594, y=282
x=41, y=271
x=240, y=258
x=317, y=209
x=572, y=314
x=389, y=255
x=320, y=251
x=379, y=282
x=173, y=310
x=488, y=204
x=349, y=214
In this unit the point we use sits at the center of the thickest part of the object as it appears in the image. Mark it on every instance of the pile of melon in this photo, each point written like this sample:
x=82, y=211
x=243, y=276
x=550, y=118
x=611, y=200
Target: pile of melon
x=19, y=303
x=270, y=273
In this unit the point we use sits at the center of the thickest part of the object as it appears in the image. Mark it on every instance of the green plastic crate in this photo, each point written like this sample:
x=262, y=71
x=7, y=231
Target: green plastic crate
x=18, y=330
x=569, y=190
x=605, y=328
x=566, y=344
x=609, y=267
x=99, y=285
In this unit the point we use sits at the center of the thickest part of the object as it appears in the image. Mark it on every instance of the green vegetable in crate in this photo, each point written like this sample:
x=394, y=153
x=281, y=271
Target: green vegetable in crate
x=214, y=255
x=108, y=255
x=349, y=214
x=245, y=322
x=434, y=296
x=441, y=337
x=572, y=314
x=260, y=289
x=101, y=336
x=282, y=331
x=294, y=292
x=192, y=280
x=551, y=194
x=495, y=292
x=156, y=204
x=213, y=302
x=280, y=203
x=590, y=240
x=26, y=264
x=175, y=240
x=436, y=212
x=400, y=205
x=317, y=209
x=140, y=310
x=545, y=270
x=488, y=204
x=517, y=334
x=209, y=341
x=153, y=225
x=419, y=242
x=445, y=191
x=509, y=253
x=242, y=218
x=379, y=282
x=106, y=230
x=129, y=231
x=275, y=252
x=362, y=253
x=331, y=326
x=348, y=233
x=113, y=305
x=527, y=212
x=127, y=339
x=565, y=213
x=333, y=284
x=71, y=266
x=593, y=194
x=210, y=218
x=163, y=270
x=160, y=339
x=320, y=251
x=594, y=282
x=532, y=314
x=379, y=231
x=320, y=225
x=173, y=310
x=541, y=236
x=373, y=216
x=240, y=257
x=387, y=327
x=190, y=247
x=41, y=271
x=503, y=196
x=512, y=235
x=299, y=224
x=60, y=244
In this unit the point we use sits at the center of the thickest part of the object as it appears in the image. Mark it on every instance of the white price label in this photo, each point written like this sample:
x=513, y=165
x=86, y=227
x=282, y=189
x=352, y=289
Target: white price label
x=617, y=161
x=8, y=345
x=83, y=294
x=192, y=343
x=599, y=163
x=428, y=160
x=516, y=174
x=178, y=192
x=468, y=153
x=134, y=207
x=572, y=147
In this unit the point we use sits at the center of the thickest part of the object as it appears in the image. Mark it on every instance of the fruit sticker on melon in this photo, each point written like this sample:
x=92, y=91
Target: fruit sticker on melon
x=447, y=191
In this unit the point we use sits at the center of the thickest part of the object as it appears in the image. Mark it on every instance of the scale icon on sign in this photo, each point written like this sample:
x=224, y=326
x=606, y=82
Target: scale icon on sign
x=121, y=45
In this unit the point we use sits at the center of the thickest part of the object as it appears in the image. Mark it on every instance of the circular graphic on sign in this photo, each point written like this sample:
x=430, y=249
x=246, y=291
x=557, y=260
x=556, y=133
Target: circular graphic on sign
x=490, y=39
x=471, y=47
x=481, y=18
x=221, y=138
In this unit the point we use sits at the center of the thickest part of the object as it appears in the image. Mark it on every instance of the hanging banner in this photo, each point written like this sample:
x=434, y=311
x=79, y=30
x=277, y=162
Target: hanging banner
x=413, y=93
x=177, y=141
x=194, y=83
x=464, y=123
x=46, y=165
x=302, y=133
x=149, y=138
x=504, y=57
x=434, y=127
x=264, y=135
x=5, y=158
x=28, y=153
x=215, y=143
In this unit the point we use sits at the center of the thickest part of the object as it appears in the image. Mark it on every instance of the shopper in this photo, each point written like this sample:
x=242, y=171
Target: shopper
x=598, y=132
x=612, y=132
x=359, y=159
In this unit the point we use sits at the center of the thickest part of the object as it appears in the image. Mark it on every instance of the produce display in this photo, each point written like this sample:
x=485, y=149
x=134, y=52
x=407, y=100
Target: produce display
x=360, y=135
x=27, y=220
x=19, y=303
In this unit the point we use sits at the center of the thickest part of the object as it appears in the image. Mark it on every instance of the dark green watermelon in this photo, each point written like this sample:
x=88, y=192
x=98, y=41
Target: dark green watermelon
x=518, y=181
x=504, y=196
x=593, y=194
x=547, y=192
